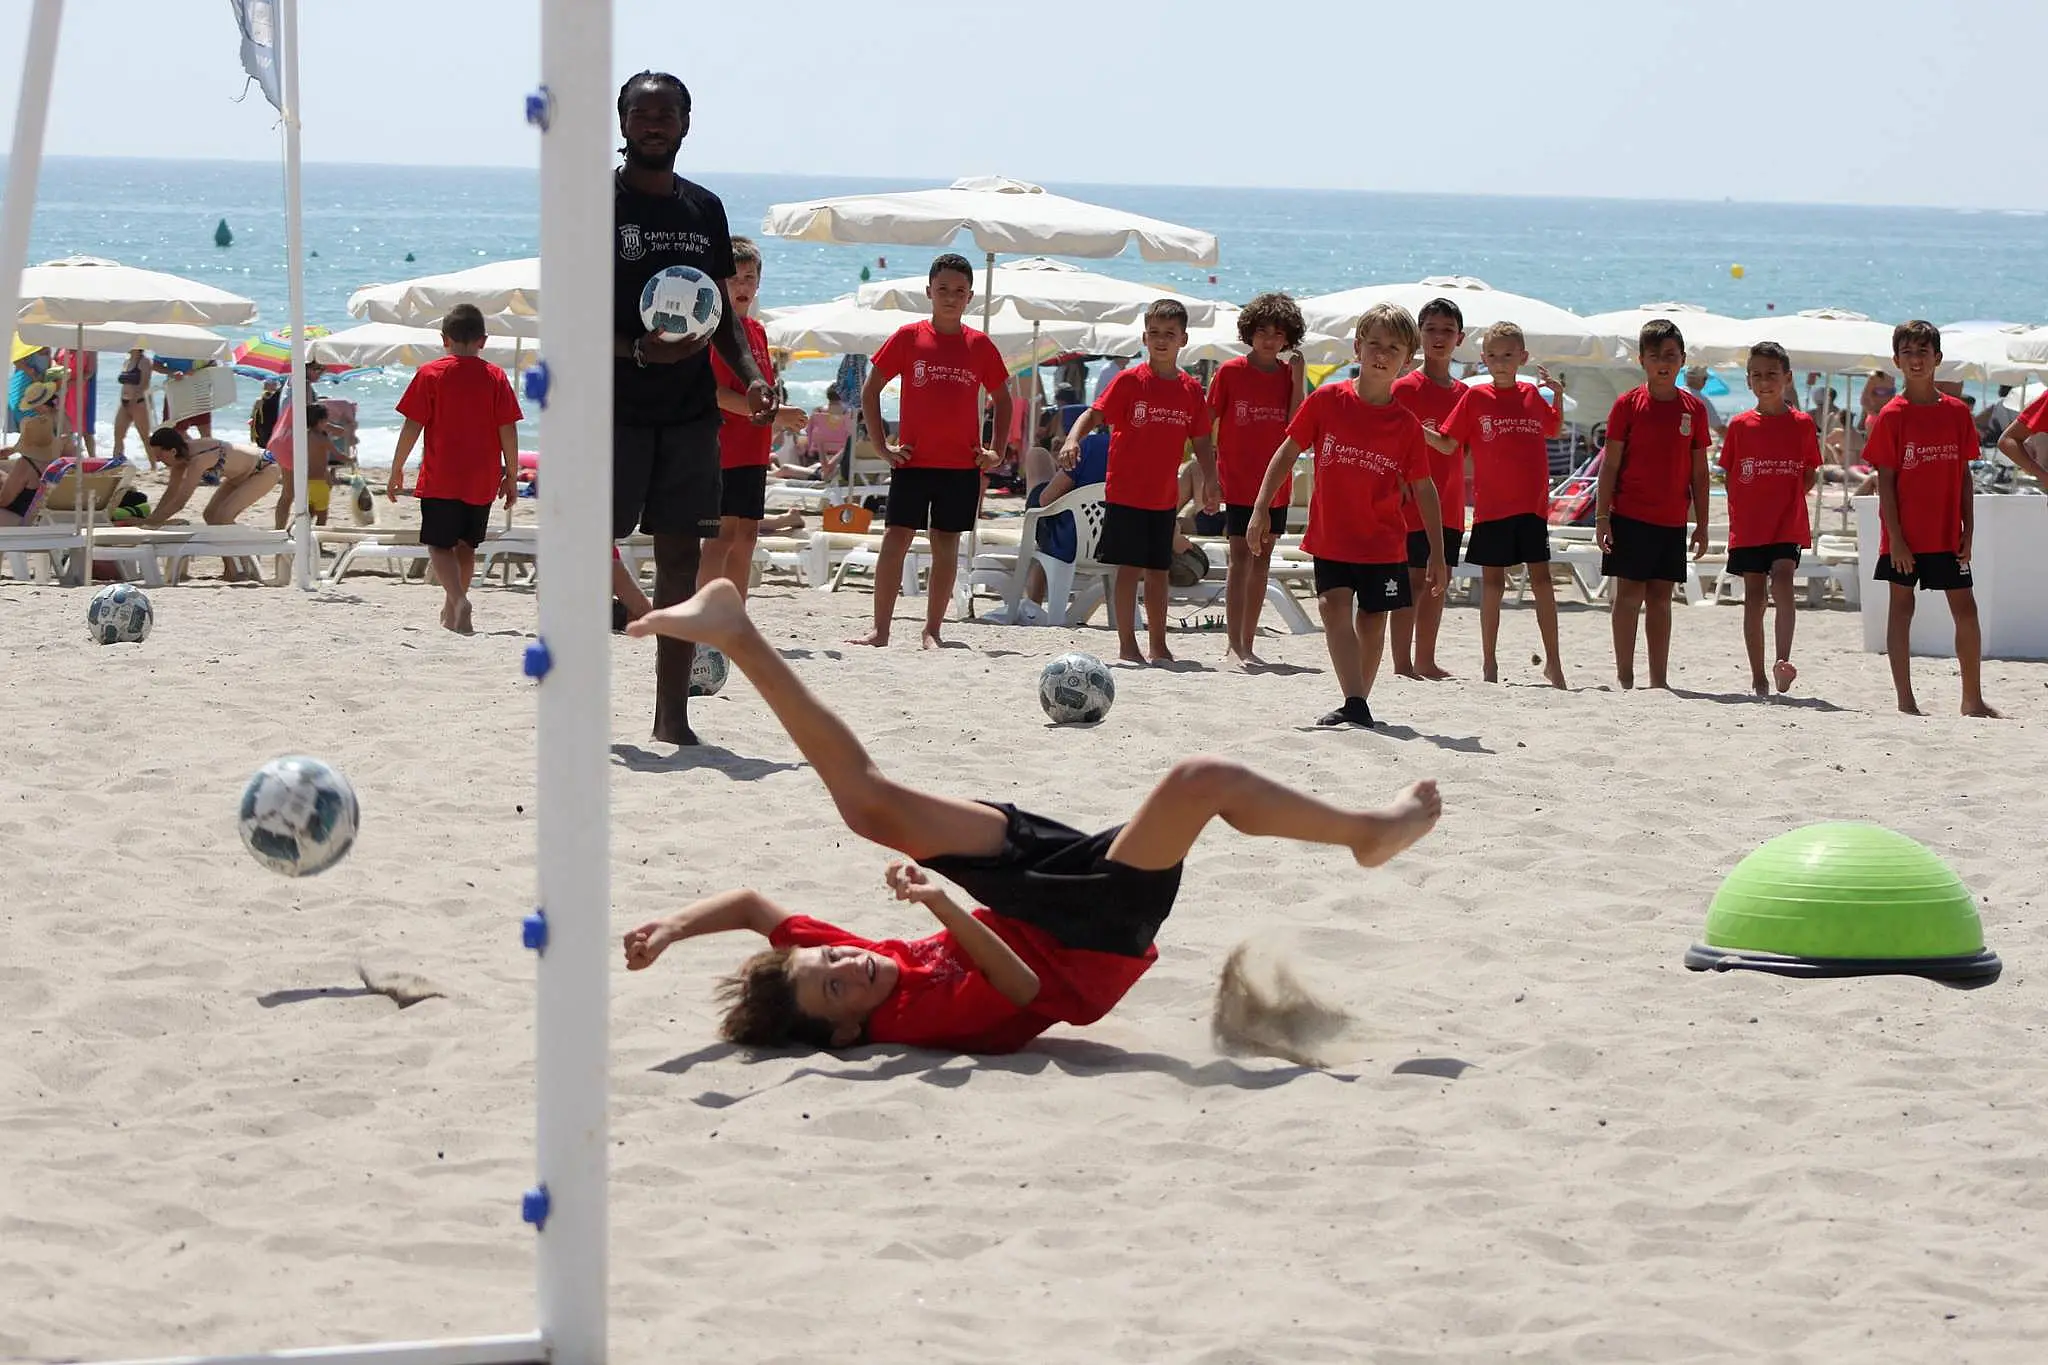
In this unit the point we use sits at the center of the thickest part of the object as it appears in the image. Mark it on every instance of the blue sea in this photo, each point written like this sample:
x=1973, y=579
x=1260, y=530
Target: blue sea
x=374, y=224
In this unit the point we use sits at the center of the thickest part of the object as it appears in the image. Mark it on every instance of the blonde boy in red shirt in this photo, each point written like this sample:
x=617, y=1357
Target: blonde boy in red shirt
x=1922, y=443
x=1771, y=456
x=1251, y=399
x=1154, y=411
x=1368, y=450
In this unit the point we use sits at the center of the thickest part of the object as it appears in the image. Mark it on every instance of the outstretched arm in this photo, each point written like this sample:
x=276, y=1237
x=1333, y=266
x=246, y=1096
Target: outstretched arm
x=728, y=910
x=178, y=492
x=1007, y=972
x=2013, y=445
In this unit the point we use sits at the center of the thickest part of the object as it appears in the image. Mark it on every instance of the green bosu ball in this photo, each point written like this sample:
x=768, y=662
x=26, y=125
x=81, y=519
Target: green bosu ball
x=1845, y=899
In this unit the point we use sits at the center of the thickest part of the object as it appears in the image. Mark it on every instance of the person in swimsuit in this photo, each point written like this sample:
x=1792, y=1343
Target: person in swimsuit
x=32, y=456
x=246, y=474
x=133, y=410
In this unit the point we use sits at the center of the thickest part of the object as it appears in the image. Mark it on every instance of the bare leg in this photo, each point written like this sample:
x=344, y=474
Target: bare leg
x=1372, y=640
x=1198, y=790
x=1628, y=605
x=1785, y=600
x=676, y=560
x=917, y=824
x=1657, y=631
x=731, y=556
x=449, y=571
x=945, y=572
x=1898, y=647
x=230, y=500
x=1403, y=632
x=1545, y=593
x=465, y=570
x=1127, y=614
x=1493, y=586
x=888, y=582
x=1962, y=605
x=626, y=587
x=284, y=499
x=1429, y=621
x=1155, y=617
x=1258, y=573
x=1236, y=580
x=1753, y=631
x=1340, y=636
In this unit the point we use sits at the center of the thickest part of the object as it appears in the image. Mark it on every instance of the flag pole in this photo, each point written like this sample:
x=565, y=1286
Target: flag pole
x=295, y=265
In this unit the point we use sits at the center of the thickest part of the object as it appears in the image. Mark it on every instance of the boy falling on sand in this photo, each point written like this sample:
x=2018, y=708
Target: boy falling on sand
x=1655, y=467
x=1772, y=459
x=1070, y=918
x=1922, y=443
x=1367, y=449
x=938, y=456
x=465, y=407
x=1251, y=400
x=1153, y=412
x=1432, y=394
x=1506, y=424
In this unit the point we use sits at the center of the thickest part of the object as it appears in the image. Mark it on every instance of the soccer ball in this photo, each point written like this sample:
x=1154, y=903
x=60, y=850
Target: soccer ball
x=682, y=302
x=708, y=672
x=1076, y=689
x=120, y=614
x=298, y=816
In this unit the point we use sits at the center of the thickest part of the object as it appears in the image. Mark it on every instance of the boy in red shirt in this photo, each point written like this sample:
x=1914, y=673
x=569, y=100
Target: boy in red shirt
x=1070, y=918
x=1506, y=423
x=1772, y=459
x=1655, y=464
x=1922, y=443
x=1153, y=411
x=1432, y=394
x=745, y=441
x=1368, y=449
x=465, y=406
x=937, y=450
x=2024, y=428
x=1251, y=399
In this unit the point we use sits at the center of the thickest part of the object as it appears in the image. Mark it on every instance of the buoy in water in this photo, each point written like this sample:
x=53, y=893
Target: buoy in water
x=221, y=235
x=1736, y=272
x=408, y=258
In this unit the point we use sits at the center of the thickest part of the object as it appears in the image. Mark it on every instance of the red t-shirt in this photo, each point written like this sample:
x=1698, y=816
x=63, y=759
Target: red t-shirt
x=1364, y=455
x=1431, y=402
x=2036, y=415
x=943, y=376
x=1506, y=429
x=742, y=442
x=1931, y=446
x=1767, y=460
x=1656, y=467
x=1250, y=408
x=942, y=1000
x=461, y=400
x=1151, y=420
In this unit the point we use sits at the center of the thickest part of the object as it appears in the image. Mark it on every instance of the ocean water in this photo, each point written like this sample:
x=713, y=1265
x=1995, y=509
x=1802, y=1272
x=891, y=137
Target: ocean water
x=374, y=224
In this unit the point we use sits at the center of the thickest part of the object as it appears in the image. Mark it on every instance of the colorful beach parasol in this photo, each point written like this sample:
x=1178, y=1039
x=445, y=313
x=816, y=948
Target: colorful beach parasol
x=270, y=356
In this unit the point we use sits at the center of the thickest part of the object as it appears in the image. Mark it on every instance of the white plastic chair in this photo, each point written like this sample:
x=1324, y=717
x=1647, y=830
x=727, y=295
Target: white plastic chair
x=1086, y=574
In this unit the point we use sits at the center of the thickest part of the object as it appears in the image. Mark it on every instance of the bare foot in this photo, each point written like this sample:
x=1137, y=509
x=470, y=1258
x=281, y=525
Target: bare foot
x=1433, y=673
x=447, y=616
x=1658, y=684
x=677, y=733
x=1759, y=686
x=1407, y=671
x=1627, y=681
x=465, y=622
x=1129, y=654
x=932, y=640
x=715, y=616
x=1981, y=710
x=879, y=639
x=1784, y=674
x=1553, y=674
x=1489, y=673
x=1385, y=833
x=1160, y=654
x=1235, y=657
x=1910, y=707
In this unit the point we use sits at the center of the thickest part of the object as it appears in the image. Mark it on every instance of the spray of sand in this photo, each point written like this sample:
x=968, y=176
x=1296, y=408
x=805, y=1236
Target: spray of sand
x=1265, y=1009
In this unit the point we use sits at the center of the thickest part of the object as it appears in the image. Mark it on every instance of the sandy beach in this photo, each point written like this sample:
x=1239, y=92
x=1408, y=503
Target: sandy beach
x=1544, y=1140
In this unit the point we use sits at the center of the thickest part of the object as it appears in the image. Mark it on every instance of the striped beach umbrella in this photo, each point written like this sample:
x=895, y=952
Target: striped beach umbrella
x=269, y=356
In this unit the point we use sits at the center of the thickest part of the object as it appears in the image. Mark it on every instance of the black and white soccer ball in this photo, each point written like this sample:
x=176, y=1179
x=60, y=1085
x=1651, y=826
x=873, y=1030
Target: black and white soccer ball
x=708, y=672
x=298, y=816
x=120, y=614
x=681, y=303
x=1076, y=689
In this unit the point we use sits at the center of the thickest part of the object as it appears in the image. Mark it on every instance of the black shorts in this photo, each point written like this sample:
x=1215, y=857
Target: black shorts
x=1064, y=882
x=1237, y=519
x=1136, y=536
x=1213, y=523
x=448, y=522
x=1418, y=548
x=665, y=480
x=743, y=493
x=1935, y=571
x=1760, y=558
x=1374, y=587
x=1645, y=553
x=934, y=499
x=1505, y=541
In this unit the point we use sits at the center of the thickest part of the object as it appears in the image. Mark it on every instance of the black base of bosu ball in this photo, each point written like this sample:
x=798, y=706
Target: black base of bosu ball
x=1964, y=973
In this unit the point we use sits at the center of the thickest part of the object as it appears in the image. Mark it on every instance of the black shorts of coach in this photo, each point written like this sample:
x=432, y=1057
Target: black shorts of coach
x=665, y=480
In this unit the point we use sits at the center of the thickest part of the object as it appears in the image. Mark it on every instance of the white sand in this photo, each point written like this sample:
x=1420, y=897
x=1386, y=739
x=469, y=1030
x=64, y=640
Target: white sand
x=1549, y=1142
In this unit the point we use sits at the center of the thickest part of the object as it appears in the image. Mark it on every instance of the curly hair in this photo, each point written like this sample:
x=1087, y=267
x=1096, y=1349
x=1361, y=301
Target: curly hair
x=761, y=1009
x=1272, y=310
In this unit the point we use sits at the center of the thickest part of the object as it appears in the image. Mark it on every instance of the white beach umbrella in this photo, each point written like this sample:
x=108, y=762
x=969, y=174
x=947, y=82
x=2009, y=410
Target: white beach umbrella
x=1833, y=340
x=1571, y=404
x=1051, y=291
x=1984, y=354
x=844, y=327
x=1710, y=339
x=371, y=345
x=178, y=340
x=507, y=293
x=1218, y=341
x=1554, y=335
x=2029, y=346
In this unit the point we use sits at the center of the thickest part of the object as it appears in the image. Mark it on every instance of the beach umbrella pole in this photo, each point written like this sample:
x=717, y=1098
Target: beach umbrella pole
x=295, y=266
x=25, y=157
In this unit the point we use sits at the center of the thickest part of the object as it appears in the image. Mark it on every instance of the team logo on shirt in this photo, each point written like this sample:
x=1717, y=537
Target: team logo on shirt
x=1336, y=452
x=1243, y=412
x=1685, y=424
x=920, y=374
x=923, y=372
x=631, y=246
x=636, y=242
x=1140, y=414
x=1748, y=471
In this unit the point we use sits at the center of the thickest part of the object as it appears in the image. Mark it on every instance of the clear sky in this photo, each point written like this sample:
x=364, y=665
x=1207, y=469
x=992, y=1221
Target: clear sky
x=1878, y=101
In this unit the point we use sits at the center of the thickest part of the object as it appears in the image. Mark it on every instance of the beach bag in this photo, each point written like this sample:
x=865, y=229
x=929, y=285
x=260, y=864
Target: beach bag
x=1189, y=567
x=847, y=516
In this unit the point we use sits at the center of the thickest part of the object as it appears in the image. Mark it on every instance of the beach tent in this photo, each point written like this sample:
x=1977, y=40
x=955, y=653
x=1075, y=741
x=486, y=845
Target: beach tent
x=1051, y=291
x=372, y=345
x=1710, y=339
x=85, y=291
x=1554, y=335
x=846, y=326
x=507, y=293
